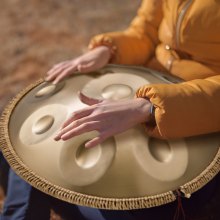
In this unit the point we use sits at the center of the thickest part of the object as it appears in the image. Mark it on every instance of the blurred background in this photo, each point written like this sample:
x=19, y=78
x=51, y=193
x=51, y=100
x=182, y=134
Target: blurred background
x=36, y=34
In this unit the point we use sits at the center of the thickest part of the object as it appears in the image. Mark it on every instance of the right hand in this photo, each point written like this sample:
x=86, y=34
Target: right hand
x=103, y=116
x=90, y=61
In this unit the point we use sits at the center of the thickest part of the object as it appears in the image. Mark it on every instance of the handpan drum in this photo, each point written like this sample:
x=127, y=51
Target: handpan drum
x=127, y=171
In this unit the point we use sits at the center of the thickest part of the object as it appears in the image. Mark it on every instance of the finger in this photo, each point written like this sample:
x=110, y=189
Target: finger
x=57, y=66
x=83, y=128
x=63, y=62
x=65, y=72
x=84, y=68
x=72, y=126
x=88, y=100
x=94, y=142
x=98, y=140
x=77, y=115
x=56, y=71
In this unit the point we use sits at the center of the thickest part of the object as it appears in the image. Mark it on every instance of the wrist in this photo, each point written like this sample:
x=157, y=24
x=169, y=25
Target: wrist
x=147, y=111
x=152, y=121
x=104, y=41
x=106, y=52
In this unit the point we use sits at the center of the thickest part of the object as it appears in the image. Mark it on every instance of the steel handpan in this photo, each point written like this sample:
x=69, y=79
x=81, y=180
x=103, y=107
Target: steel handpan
x=127, y=171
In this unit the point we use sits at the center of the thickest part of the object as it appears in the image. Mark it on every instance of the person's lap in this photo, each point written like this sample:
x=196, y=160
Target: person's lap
x=23, y=202
x=4, y=168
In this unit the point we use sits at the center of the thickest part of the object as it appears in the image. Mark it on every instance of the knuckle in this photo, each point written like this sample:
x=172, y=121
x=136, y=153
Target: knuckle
x=99, y=114
x=76, y=123
x=87, y=125
x=75, y=114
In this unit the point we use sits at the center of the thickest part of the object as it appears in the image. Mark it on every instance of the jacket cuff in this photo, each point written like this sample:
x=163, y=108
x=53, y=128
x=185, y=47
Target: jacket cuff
x=104, y=40
x=149, y=92
x=185, y=109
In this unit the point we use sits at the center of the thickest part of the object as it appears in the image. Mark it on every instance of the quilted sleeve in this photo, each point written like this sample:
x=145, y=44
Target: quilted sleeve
x=136, y=44
x=185, y=109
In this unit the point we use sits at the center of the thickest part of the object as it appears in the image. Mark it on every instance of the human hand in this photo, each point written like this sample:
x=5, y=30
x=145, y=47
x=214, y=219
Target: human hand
x=90, y=61
x=105, y=116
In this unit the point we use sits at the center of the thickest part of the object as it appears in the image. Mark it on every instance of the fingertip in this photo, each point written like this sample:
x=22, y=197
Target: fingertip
x=64, y=137
x=81, y=95
x=89, y=145
x=55, y=82
x=46, y=79
x=88, y=100
x=92, y=143
x=56, y=138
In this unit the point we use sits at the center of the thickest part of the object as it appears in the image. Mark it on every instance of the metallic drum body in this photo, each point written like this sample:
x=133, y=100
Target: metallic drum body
x=127, y=171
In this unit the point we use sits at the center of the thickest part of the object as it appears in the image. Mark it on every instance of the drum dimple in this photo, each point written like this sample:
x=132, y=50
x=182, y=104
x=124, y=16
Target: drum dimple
x=160, y=150
x=87, y=157
x=47, y=90
x=116, y=91
x=43, y=124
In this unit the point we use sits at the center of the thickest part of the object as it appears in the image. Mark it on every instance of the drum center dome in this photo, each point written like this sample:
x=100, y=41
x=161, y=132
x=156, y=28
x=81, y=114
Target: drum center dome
x=116, y=91
x=43, y=124
x=87, y=157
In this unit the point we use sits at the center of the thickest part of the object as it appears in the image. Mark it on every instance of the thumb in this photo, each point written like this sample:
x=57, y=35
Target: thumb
x=88, y=100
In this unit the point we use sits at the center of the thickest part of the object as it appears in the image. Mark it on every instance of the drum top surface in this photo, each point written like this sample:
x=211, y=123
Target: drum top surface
x=128, y=165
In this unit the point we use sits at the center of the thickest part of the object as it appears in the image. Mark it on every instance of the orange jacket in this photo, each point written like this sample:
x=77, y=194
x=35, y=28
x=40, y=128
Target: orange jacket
x=184, y=37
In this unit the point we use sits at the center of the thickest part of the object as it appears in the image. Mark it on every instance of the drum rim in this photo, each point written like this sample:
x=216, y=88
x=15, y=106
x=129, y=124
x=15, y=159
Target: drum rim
x=88, y=200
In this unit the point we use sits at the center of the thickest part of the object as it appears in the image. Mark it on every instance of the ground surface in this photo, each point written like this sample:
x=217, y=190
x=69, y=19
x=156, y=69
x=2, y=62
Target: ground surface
x=36, y=34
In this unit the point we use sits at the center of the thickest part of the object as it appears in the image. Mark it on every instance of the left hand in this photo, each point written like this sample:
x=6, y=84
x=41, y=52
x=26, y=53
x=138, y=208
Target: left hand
x=88, y=62
x=105, y=116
